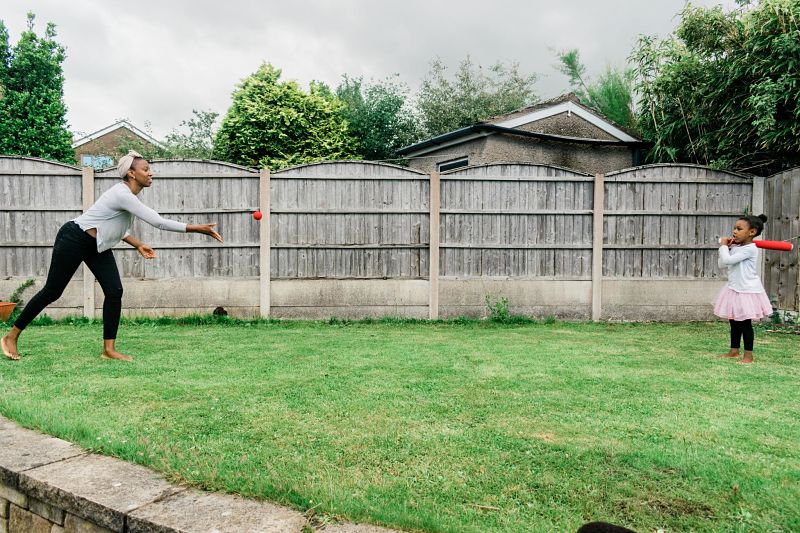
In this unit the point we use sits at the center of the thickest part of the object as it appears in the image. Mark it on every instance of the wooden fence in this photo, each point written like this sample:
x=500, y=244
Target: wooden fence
x=349, y=220
x=781, y=272
x=359, y=238
x=519, y=221
x=664, y=221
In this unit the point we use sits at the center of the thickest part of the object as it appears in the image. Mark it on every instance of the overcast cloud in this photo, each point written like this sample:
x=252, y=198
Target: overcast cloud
x=155, y=61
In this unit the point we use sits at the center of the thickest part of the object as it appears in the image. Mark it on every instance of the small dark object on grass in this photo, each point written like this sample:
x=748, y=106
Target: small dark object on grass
x=220, y=311
x=603, y=527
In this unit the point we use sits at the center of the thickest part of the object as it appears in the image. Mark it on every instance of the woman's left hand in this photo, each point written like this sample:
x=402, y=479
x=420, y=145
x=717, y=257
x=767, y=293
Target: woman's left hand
x=206, y=229
x=146, y=252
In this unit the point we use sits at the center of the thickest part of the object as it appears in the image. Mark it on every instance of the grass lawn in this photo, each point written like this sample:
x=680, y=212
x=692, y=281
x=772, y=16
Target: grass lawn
x=439, y=426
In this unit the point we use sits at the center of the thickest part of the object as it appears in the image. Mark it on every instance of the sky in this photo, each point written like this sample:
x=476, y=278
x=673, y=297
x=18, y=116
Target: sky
x=153, y=62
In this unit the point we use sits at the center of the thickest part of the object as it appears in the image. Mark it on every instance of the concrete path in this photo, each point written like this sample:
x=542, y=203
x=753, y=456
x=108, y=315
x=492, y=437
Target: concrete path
x=49, y=485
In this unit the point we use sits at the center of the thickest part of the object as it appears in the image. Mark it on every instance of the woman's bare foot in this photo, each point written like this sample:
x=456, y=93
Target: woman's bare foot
x=111, y=354
x=110, y=351
x=9, y=346
x=733, y=353
x=747, y=359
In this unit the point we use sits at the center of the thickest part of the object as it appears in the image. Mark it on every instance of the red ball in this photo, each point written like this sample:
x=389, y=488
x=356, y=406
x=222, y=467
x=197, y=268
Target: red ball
x=257, y=215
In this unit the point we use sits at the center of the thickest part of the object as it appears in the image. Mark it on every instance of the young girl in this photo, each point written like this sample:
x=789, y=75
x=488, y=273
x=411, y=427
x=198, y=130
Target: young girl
x=89, y=239
x=743, y=299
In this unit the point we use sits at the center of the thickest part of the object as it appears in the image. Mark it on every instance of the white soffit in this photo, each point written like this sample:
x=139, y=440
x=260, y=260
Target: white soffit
x=568, y=107
x=108, y=129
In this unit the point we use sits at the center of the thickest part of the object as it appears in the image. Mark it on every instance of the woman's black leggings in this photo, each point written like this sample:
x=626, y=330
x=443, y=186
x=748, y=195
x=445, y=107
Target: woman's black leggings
x=739, y=329
x=74, y=246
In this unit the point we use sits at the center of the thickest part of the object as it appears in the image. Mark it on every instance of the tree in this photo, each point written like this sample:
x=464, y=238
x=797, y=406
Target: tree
x=275, y=124
x=198, y=142
x=473, y=95
x=147, y=150
x=377, y=116
x=723, y=89
x=611, y=95
x=32, y=110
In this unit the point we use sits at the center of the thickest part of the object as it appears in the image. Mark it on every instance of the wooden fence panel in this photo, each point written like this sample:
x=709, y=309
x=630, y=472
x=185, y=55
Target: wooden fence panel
x=38, y=197
x=194, y=192
x=516, y=220
x=349, y=220
x=663, y=221
x=362, y=220
x=781, y=270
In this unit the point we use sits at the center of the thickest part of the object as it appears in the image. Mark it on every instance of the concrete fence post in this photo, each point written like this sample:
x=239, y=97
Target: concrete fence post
x=264, y=249
x=597, y=247
x=757, y=207
x=87, y=194
x=433, y=262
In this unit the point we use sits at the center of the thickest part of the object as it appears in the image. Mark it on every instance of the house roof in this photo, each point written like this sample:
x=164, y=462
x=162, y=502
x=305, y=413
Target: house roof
x=508, y=123
x=560, y=99
x=108, y=129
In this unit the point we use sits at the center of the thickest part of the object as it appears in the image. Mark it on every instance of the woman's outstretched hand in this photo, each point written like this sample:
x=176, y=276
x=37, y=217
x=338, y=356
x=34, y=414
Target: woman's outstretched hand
x=146, y=252
x=207, y=229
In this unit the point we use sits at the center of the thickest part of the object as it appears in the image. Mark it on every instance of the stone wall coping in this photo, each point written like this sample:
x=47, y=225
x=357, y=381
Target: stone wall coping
x=129, y=498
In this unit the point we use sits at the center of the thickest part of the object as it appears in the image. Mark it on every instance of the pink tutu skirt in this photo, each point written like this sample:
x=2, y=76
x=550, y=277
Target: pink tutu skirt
x=742, y=305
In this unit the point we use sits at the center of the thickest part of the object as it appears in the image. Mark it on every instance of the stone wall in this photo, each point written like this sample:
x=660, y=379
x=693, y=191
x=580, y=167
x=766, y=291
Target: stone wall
x=569, y=125
x=591, y=159
x=474, y=151
x=48, y=485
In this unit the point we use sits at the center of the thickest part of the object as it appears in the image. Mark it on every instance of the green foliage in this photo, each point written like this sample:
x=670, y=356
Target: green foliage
x=194, y=141
x=275, y=124
x=723, y=90
x=377, y=116
x=5, y=57
x=611, y=95
x=147, y=150
x=497, y=308
x=781, y=321
x=473, y=95
x=197, y=142
x=32, y=110
x=16, y=296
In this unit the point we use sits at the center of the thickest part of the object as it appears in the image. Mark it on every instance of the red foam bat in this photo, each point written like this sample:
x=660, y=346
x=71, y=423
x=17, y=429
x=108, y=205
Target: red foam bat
x=783, y=246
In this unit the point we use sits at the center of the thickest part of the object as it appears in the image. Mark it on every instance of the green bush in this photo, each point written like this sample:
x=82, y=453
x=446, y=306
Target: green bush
x=497, y=308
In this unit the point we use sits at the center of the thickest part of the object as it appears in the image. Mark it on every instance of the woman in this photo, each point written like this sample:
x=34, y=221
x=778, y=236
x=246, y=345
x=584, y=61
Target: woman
x=89, y=239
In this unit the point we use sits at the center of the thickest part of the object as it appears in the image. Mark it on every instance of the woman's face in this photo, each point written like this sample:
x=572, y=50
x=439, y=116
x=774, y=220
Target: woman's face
x=140, y=173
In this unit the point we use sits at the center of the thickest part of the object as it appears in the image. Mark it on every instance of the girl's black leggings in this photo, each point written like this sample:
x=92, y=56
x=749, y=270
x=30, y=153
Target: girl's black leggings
x=739, y=329
x=74, y=246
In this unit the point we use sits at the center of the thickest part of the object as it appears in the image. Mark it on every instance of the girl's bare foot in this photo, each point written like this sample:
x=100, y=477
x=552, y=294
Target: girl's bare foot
x=733, y=353
x=111, y=354
x=9, y=346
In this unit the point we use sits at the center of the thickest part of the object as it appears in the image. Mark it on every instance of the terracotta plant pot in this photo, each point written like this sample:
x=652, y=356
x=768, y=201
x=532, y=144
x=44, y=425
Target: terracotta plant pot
x=6, y=308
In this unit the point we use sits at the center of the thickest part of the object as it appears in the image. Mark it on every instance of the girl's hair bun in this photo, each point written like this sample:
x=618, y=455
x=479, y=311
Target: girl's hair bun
x=763, y=217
